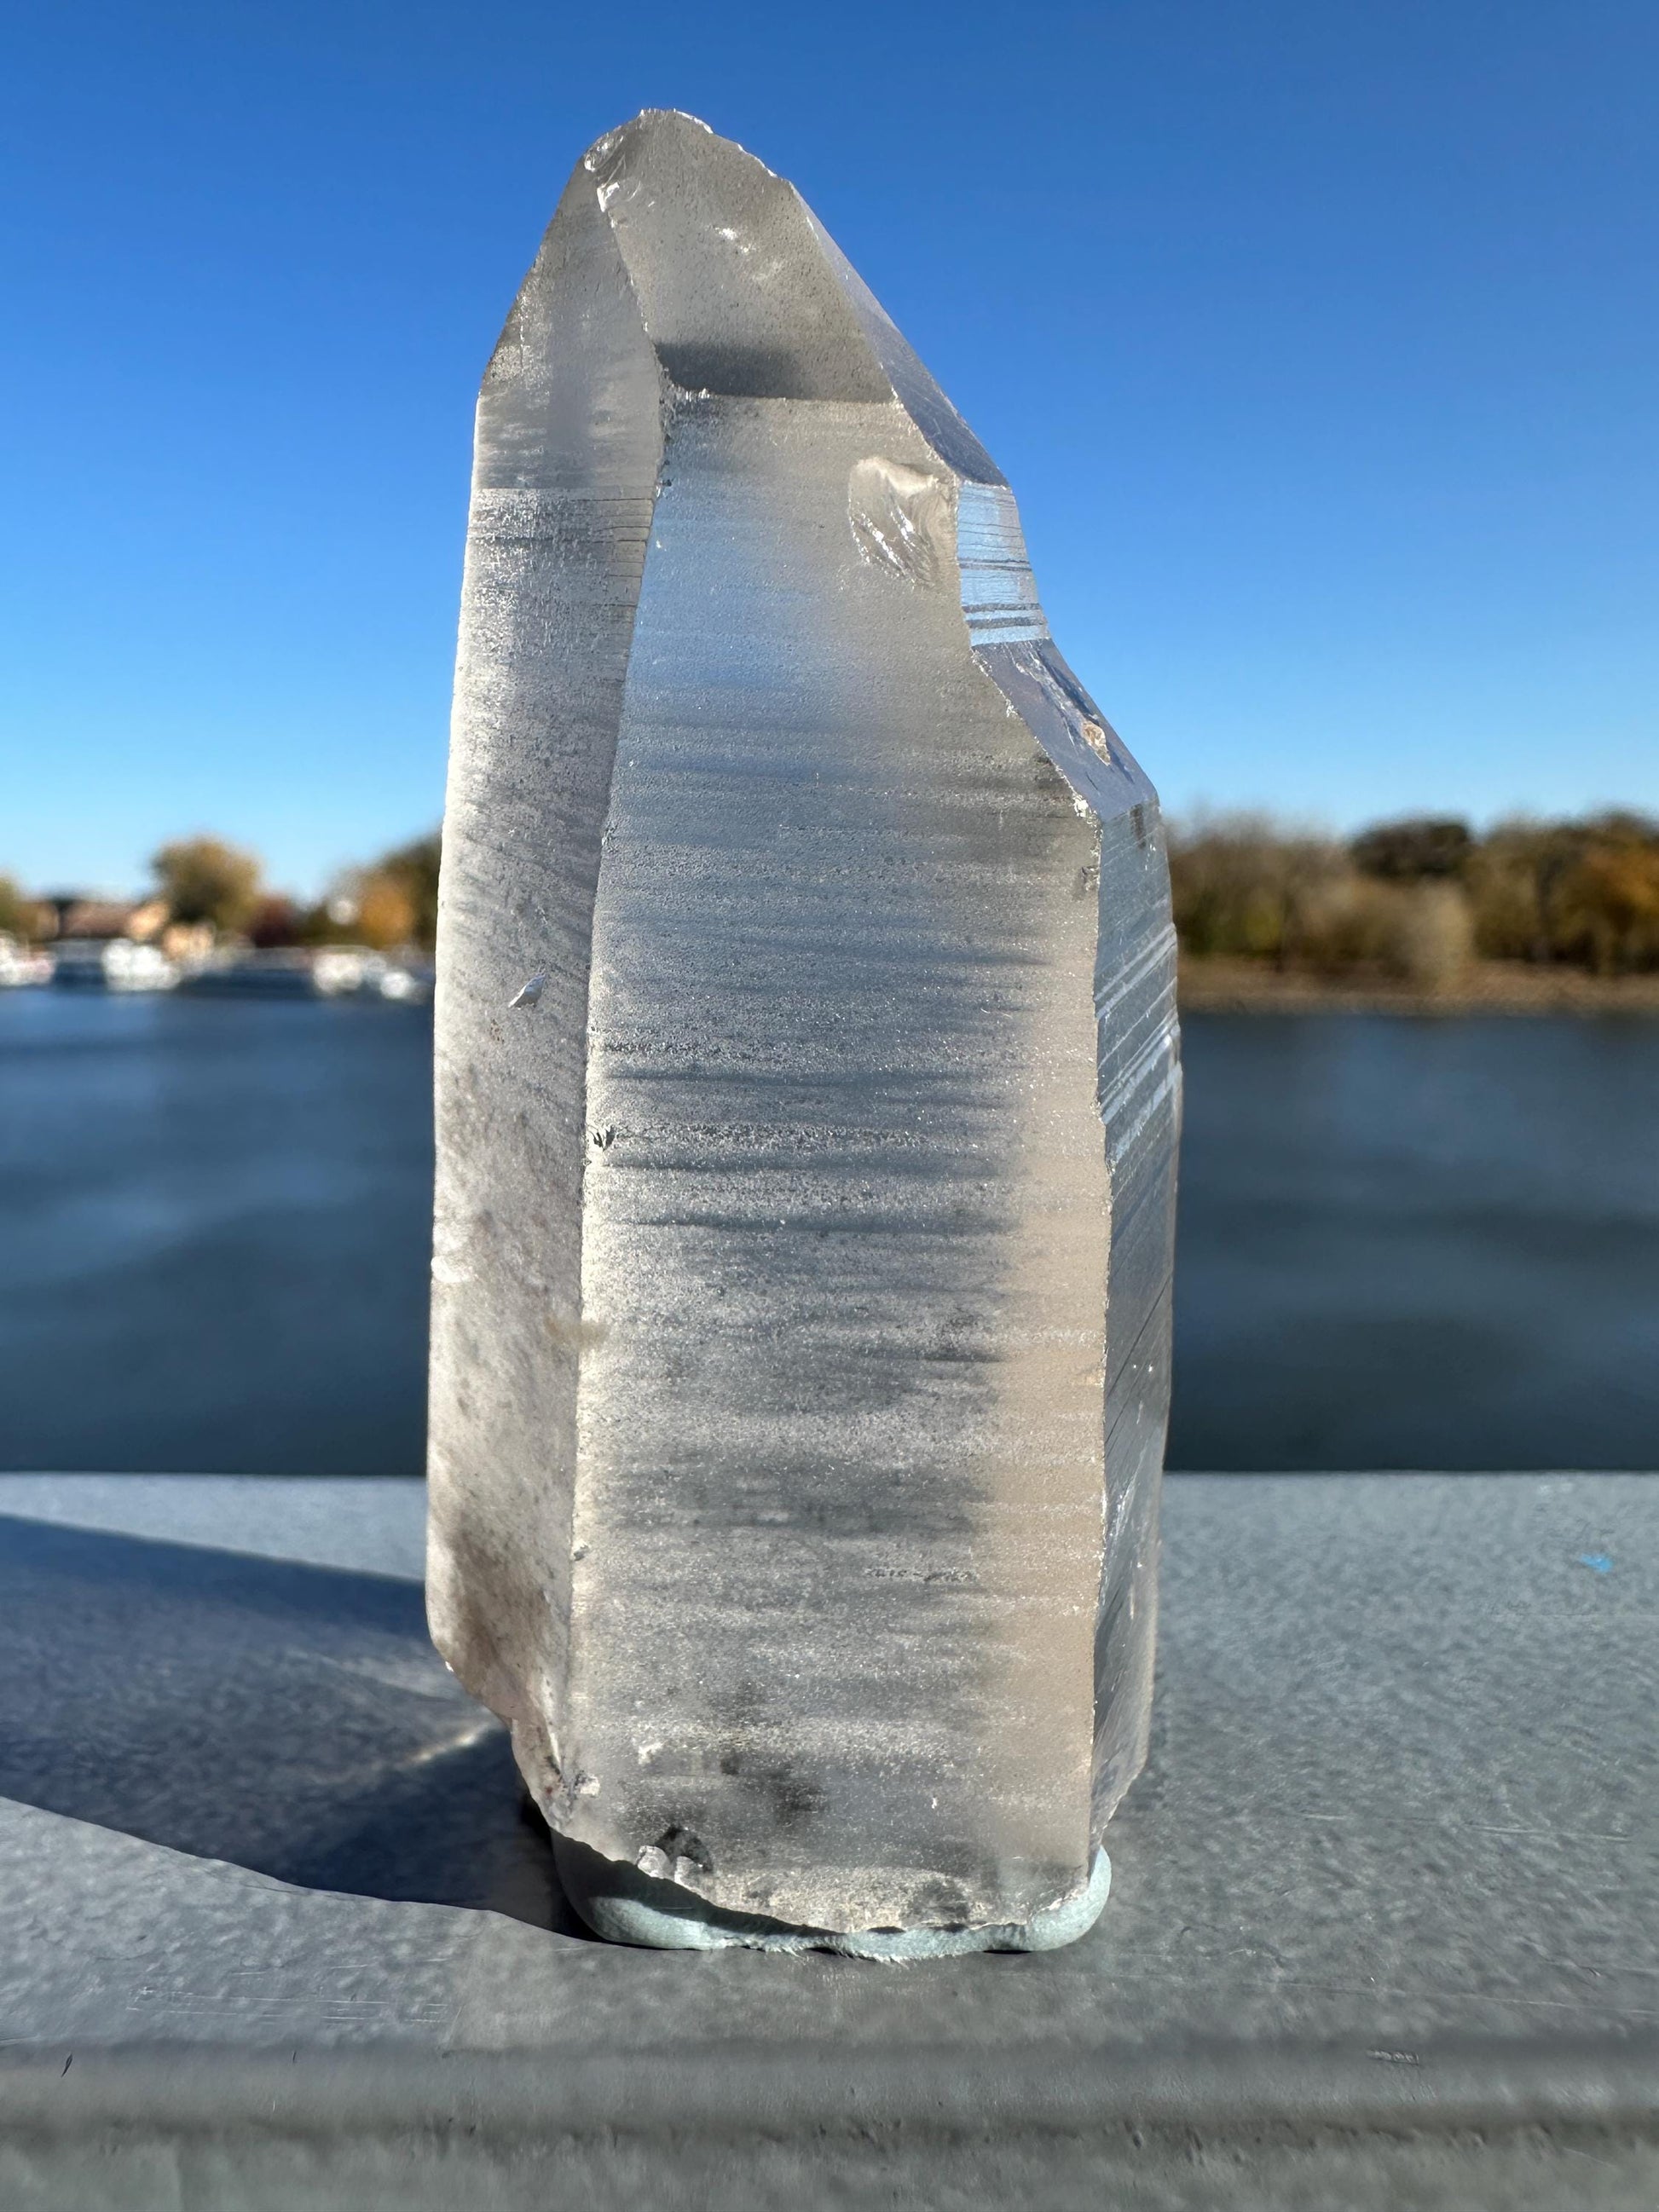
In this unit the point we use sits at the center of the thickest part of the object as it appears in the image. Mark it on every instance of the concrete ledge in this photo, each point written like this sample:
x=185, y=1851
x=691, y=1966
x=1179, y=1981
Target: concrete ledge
x=1382, y=1929
x=745, y=2128
x=737, y=2089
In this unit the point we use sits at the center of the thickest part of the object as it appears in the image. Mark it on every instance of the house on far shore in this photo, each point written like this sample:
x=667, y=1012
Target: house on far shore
x=114, y=943
x=83, y=916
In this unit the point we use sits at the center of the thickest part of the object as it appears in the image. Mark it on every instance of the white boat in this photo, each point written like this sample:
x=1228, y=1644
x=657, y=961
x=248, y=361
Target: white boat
x=341, y=970
x=21, y=965
x=409, y=985
x=114, y=963
x=353, y=970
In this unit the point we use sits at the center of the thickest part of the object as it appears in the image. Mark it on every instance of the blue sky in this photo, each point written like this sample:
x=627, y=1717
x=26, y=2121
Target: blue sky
x=1317, y=339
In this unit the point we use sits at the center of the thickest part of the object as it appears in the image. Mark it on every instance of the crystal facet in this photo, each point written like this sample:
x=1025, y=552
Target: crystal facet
x=800, y=1339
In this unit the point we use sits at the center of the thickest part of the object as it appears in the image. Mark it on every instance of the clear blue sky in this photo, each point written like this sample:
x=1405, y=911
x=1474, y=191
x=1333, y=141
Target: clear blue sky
x=1319, y=340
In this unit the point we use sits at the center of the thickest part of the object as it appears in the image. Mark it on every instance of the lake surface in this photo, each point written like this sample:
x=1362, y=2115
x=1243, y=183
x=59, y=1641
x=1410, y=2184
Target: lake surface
x=1419, y=1244
x=215, y=1218
x=1404, y=1244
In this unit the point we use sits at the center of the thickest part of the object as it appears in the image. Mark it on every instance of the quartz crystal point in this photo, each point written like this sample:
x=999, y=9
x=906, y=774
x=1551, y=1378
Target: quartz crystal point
x=807, y=1103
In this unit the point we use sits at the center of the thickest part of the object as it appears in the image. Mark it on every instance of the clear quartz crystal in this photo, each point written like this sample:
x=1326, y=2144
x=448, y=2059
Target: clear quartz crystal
x=800, y=1337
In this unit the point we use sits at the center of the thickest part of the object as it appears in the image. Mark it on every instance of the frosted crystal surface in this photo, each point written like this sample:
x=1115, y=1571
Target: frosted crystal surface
x=807, y=1099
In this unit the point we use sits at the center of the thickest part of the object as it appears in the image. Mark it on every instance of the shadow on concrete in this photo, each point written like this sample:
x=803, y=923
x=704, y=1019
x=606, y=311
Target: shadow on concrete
x=292, y=1719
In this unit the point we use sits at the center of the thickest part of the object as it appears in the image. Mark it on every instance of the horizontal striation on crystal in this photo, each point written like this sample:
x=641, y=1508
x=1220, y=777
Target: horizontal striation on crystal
x=808, y=1096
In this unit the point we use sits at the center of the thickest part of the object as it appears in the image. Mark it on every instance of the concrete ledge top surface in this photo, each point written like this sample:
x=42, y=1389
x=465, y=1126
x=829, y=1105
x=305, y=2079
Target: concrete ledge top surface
x=1396, y=1847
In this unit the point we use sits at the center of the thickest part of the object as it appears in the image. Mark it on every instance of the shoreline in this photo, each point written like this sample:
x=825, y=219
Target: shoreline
x=1490, y=987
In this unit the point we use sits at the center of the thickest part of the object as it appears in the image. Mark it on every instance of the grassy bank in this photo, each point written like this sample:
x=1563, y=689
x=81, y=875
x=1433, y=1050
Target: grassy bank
x=1224, y=985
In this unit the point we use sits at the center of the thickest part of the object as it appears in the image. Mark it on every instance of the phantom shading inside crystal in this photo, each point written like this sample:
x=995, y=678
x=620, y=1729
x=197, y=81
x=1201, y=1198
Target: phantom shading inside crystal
x=808, y=1094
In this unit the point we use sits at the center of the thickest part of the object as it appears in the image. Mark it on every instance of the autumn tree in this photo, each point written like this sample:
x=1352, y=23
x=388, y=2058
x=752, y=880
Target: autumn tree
x=412, y=869
x=1606, y=906
x=204, y=879
x=1241, y=886
x=1419, y=848
x=386, y=913
x=1584, y=891
x=19, y=916
x=391, y=903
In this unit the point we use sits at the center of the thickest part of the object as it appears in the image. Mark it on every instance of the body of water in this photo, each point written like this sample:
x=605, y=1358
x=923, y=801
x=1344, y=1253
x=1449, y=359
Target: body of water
x=1413, y=1242
x=1404, y=1244
x=216, y=1220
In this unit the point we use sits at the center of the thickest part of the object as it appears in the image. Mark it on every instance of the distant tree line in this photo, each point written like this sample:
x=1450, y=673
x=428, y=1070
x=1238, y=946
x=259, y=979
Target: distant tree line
x=218, y=891
x=1417, y=899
